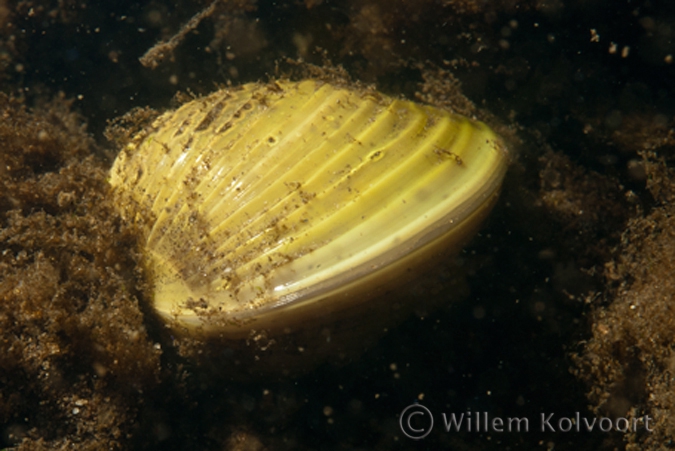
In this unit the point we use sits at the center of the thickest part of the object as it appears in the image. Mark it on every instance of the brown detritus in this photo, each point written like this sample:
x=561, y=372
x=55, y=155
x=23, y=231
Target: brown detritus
x=243, y=440
x=121, y=129
x=641, y=129
x=442, y=89
x=659, y=178
x=644, y=132
x=298, y=70
x=74, y=352
x=629, y=361
x=160, y=51
x=592, y=207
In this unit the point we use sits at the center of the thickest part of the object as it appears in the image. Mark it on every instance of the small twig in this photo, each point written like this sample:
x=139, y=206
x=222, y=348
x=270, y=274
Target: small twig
x=153, y=57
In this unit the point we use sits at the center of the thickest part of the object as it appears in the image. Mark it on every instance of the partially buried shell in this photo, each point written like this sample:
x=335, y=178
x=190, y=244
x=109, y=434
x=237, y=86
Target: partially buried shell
x=273, y=206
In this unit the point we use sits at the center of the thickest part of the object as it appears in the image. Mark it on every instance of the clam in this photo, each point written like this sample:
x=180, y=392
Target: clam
x=276, y=207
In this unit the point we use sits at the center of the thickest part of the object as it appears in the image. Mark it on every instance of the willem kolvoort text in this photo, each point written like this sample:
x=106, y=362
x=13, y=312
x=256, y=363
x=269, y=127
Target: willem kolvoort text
x=546, y=422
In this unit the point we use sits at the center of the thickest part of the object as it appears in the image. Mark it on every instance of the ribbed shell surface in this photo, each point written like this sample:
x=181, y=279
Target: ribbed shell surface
x=267, y=201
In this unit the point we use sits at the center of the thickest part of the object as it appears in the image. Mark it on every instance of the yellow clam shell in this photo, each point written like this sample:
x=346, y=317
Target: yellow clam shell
x=271, y=205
